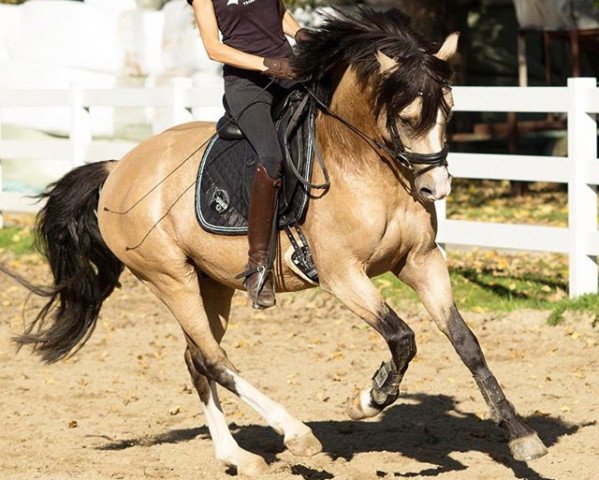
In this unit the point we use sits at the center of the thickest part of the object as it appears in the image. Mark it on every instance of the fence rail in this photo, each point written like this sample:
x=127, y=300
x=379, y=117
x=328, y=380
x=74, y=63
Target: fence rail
x=580, y=169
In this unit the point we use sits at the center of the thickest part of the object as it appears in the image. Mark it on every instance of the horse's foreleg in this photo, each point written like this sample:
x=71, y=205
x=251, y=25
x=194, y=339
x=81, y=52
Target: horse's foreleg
x=356, y=291
x=429, y=277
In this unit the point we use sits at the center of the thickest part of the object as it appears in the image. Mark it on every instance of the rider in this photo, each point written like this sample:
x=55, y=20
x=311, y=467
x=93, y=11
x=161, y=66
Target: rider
x=253, y=47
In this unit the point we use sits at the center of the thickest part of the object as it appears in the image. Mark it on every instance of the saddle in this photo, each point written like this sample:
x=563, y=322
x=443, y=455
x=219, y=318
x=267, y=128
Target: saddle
x=229, y=163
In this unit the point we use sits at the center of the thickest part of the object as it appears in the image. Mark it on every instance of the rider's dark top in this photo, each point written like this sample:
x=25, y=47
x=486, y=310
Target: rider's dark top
x=252, y=26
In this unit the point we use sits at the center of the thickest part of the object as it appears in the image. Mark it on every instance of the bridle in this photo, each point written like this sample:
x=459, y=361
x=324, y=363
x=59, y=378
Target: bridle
x=409, y=159
x=398, y=152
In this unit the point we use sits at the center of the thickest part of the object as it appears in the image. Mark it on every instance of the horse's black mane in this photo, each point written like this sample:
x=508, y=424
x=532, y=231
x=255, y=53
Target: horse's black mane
x=353, y=38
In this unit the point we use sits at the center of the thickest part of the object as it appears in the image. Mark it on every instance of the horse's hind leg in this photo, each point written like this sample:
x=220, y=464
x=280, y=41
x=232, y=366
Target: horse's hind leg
x=197, y=316
x=217, y=303
x=298, y=437
x=429, y=277
x=226, y=448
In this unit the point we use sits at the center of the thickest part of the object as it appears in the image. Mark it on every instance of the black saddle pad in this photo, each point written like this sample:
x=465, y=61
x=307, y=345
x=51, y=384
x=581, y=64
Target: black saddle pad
x=228, y=167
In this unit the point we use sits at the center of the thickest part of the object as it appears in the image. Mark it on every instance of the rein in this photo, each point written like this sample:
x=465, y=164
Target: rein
x=398, y=153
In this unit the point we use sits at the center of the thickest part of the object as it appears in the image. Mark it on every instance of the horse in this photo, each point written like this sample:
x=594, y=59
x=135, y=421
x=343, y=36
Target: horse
x=386, y=98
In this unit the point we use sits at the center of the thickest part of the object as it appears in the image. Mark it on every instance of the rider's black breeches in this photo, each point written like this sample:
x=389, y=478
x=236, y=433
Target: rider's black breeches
x=252, y=110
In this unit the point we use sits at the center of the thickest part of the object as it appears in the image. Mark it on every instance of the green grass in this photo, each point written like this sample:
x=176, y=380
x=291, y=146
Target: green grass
x=492, y=201
x=478, y=292
x=18, y=240
x=485, y=292
x=588, y=303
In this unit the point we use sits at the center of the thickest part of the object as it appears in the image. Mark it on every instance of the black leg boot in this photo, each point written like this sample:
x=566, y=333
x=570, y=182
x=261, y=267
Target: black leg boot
x=259, y=280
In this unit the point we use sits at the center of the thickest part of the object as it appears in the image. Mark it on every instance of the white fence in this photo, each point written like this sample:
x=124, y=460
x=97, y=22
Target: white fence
x=580, y=169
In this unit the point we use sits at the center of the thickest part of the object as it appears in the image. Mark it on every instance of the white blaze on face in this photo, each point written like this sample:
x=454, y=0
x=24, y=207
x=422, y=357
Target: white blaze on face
x=436, y=135
x=434, y=183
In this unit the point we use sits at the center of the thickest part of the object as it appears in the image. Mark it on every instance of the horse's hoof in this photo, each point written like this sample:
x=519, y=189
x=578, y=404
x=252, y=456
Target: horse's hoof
x=527, y=448
x=360, y=407
x=252, y=465
x=305, y=445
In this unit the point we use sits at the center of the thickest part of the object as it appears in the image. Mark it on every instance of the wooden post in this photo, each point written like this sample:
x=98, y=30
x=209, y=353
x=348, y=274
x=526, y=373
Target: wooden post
x=179, y=113
x=518, y=188
x=574, y=52
x=582, y=197
x=1, y=213
x=80, y=127
x=522, y=61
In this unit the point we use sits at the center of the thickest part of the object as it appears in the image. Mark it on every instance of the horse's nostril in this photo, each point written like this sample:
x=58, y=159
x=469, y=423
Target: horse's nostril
x=425, y=190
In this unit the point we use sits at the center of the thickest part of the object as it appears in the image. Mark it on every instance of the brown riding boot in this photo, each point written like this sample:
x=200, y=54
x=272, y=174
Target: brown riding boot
x=259, y=274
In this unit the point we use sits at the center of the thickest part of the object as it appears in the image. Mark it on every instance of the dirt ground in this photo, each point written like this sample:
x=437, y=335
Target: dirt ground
x=124, y=408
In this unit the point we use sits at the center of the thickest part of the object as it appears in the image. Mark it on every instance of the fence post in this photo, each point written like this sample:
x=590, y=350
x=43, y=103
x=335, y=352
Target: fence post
x=582, y=197
x=1, y=212
x=80, y=135
x=179, y=113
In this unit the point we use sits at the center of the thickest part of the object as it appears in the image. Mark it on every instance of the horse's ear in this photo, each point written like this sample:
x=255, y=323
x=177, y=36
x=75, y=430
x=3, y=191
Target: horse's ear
x=449, y=47
x=385, y=62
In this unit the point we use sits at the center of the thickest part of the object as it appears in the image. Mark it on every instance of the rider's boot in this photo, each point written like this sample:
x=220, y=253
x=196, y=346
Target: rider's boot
x=259, y=274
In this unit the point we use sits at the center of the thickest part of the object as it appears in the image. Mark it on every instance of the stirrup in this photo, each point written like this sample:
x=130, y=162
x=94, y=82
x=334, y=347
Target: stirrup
x=250, y=270
x=263, y=270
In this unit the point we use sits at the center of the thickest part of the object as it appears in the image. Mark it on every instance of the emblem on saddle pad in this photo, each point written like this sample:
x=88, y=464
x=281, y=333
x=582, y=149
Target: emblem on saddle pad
x=218, y=199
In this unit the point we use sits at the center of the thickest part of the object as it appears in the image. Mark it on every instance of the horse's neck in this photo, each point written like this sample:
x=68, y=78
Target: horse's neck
x=351, y=103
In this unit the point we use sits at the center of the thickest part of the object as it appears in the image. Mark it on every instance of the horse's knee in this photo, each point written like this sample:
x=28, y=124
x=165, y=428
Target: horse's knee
x=404, y=343
x=399, y=336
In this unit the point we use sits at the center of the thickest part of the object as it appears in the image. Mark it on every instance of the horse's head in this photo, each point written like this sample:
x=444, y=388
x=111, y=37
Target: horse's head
x=403, y=78
x=414, y=119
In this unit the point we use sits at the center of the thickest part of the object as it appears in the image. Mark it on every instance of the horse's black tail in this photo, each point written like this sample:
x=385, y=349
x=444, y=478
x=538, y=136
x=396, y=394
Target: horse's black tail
x=85, y=271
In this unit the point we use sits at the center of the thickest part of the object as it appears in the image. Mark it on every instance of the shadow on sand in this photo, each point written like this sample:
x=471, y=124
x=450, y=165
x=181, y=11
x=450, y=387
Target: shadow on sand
x=427, y=429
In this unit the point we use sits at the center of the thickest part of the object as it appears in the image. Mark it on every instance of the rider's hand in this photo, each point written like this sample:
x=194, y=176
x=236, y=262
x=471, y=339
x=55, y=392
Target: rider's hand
x=279, y=68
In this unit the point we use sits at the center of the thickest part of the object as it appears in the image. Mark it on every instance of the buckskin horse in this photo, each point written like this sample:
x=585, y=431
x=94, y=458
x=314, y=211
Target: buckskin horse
x=381, y=130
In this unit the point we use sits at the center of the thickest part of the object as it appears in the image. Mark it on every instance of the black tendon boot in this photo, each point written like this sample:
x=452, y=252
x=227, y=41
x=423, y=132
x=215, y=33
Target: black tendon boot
x=259, y=274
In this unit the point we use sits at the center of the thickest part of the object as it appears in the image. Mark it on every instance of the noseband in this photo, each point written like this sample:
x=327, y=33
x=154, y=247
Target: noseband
x=409, y=159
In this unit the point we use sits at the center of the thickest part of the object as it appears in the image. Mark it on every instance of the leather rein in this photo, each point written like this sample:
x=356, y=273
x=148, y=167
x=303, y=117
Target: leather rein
x=398, y=152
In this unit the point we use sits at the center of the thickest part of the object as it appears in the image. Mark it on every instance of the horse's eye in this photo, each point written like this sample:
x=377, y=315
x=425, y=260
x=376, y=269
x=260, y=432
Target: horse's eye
x=406, y=122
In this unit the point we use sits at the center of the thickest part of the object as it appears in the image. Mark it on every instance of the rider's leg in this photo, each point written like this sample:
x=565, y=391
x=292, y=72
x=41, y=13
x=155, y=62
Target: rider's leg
x=252, y=109
x=263, y=204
